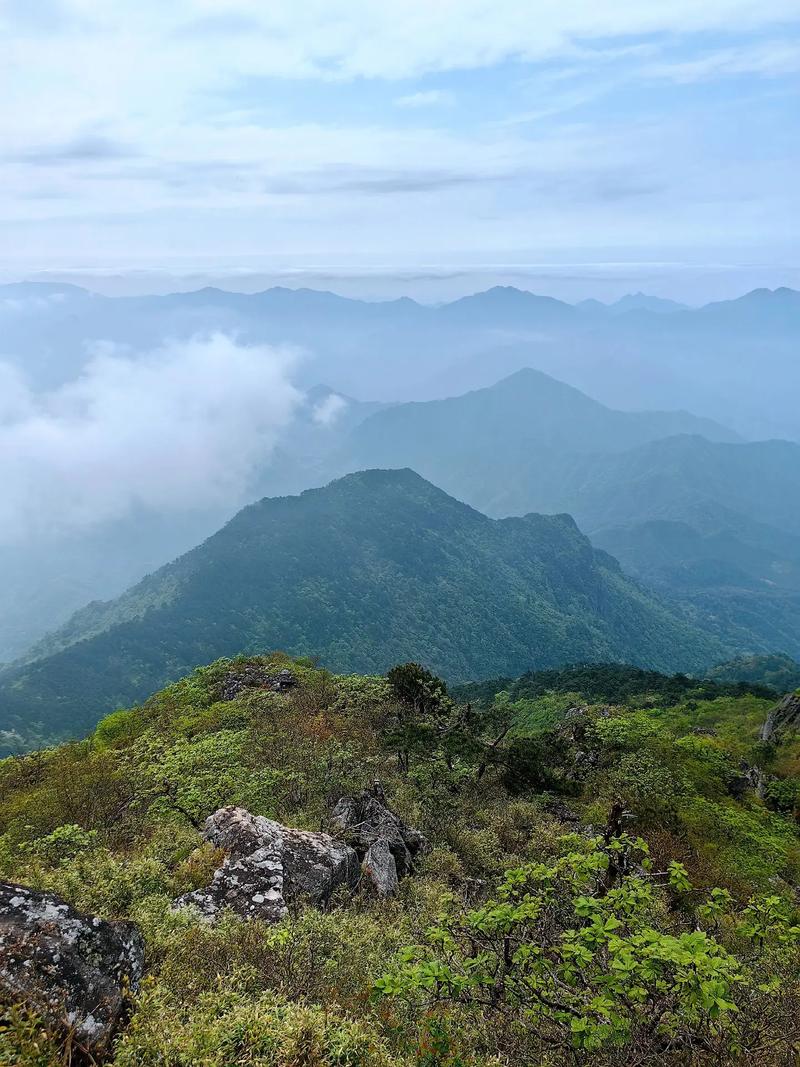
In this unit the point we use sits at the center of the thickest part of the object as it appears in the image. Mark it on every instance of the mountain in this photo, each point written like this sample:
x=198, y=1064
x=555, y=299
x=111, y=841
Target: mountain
x=682, y=504
x=778, y=671
x=44, y=581
x=489, y=433
x=633, y=302
x=376, y=567
x=733, y=361
x=644, y=302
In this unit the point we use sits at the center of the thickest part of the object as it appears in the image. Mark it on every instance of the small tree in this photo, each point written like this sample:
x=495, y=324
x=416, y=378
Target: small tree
x=577, y=954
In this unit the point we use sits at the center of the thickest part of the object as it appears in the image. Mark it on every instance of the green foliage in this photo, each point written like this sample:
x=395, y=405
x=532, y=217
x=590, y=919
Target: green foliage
x=111, y=824
x=613, y=683
x=579, y=954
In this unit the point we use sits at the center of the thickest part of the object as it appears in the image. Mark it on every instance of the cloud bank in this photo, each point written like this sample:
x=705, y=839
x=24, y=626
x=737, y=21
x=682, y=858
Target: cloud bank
x=176, y=429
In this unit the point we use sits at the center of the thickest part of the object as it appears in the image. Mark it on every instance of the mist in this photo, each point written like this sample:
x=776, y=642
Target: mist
x=175, y=429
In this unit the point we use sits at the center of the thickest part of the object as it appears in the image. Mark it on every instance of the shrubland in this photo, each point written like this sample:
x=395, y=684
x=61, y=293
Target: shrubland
x=606, y=881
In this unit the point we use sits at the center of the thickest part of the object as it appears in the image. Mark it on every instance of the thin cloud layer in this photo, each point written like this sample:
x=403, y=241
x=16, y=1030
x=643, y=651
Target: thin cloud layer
x=134, y=130
x=178, y=429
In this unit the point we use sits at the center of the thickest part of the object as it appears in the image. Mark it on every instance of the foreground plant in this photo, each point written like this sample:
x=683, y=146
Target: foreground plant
x=582, y=954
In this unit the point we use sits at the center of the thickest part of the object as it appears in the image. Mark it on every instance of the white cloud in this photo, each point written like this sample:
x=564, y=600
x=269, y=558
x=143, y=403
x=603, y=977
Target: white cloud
x=768, y=59
x=127, y=124
x=328, y=410
x=427, y=98
x=180, y=428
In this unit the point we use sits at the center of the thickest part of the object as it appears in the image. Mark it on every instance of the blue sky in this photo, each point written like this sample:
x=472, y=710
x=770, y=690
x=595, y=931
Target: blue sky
x=607, y=140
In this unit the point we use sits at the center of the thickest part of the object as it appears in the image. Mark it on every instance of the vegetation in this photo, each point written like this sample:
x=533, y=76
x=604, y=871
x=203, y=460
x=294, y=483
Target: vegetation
x=601, y=888
x=779, y=671
x=678, y=501
x=377, y=566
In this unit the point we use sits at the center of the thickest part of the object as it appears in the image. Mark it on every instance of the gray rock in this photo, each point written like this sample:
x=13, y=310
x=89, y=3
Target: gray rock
x=784, y=716
x=73, y=970
x=379, y=836
x=253, y=677
x=269, y=865
x=380, y=868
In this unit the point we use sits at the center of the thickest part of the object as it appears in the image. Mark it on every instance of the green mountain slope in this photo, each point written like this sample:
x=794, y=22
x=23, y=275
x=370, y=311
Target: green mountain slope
x=696, y=515
x=376, y=567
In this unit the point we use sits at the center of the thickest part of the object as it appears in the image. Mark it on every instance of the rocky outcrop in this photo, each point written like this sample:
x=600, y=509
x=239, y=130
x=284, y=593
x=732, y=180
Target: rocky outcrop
x=784, y=716
x=71, y=969
x=268, y=866
x=253, y=677
x=748, y=779
x=386, y=846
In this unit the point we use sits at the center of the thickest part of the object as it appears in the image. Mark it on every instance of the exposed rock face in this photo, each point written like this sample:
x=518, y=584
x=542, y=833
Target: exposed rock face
x=252, y=677
x=748, y=778
x=72, y=969
x=784, y=716
x=386, y=846
x=269, y=865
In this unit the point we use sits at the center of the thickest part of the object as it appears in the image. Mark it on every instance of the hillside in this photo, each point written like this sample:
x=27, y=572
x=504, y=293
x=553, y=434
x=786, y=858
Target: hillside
x=676, y=921
x=376, y=566
x=683, y=505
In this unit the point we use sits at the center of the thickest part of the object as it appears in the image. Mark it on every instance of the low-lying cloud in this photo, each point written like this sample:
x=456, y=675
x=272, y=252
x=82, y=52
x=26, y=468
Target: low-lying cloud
x=180, y=428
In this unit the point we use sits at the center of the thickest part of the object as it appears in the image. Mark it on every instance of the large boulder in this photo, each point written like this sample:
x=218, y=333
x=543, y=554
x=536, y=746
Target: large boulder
x=268, y=866
x=783, y=717
x=251, y=676
x=386, y=846
x=73, y=970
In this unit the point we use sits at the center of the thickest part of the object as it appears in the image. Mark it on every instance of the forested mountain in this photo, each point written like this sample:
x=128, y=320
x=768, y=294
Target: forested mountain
x=734, y=363
x=376, y=566
x=678, y=500
x=777, y=670
x=44, y=580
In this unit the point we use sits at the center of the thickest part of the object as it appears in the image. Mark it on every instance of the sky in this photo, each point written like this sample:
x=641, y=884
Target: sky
x=431, y=147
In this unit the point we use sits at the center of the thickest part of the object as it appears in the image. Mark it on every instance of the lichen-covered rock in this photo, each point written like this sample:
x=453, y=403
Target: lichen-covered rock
x=73, y=970
x=269, y=865
x=784, y=716
x=239, y=679
x=380, y=867
x=385, y=844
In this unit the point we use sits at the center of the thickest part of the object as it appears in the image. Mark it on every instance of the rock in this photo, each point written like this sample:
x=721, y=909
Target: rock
x=703, y=731
x=73, y=970
x=748, y=778
x=386, y=846
x=254, y=677
x=380, y=867
x=269, y=865
x=784, y=716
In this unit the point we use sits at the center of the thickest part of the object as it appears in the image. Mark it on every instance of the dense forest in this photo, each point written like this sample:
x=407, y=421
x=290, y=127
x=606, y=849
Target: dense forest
x=604, y=870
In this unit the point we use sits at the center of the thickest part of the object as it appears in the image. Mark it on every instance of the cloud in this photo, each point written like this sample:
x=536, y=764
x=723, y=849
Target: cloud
x=769, y=59
x=135, y=130
x=427, y=98
x=176, y=429
x=86, y=148
x=328, y=410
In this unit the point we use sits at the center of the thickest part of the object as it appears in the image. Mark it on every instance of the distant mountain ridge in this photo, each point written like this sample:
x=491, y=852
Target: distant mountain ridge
x=376, y=567
x=733, y=360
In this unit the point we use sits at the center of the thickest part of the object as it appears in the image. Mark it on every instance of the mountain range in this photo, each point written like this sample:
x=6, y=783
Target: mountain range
x=734, y=361
x=376, y=567
x=683, y=503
